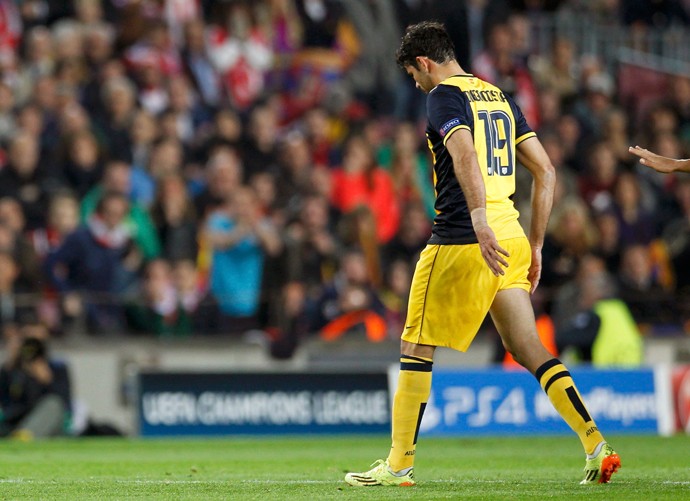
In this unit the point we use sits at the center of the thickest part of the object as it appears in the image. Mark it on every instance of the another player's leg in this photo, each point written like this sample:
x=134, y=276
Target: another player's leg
x=514, y=318
x=411, y=396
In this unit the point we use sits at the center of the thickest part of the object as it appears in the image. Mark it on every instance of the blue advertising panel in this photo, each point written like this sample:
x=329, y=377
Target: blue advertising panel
x=262, y=403
x=499, y=402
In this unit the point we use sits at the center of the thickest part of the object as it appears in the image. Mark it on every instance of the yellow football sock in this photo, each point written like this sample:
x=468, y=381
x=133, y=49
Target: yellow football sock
x=555, y=379
x=411, y=395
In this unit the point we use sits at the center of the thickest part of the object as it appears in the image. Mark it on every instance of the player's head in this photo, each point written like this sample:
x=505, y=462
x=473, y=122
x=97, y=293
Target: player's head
x=426, y=39
x=424, y=42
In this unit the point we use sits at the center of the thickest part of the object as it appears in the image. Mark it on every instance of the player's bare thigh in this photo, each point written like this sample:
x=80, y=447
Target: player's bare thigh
x=513, y=316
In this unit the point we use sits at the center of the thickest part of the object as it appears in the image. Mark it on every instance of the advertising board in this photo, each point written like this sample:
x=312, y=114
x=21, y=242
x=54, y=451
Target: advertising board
x=262, y=403
x=494, y=401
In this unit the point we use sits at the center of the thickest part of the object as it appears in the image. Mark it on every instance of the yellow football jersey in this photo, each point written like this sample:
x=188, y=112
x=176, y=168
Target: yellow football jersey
x=497, y=126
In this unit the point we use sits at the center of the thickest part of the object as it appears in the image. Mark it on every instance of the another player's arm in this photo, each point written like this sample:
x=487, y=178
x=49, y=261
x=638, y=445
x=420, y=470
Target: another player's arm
x=660, y=163
x=531, y=154
x=460, y=145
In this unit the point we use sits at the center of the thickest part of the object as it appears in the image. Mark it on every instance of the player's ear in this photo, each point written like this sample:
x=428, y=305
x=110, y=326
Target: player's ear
x=422, y=63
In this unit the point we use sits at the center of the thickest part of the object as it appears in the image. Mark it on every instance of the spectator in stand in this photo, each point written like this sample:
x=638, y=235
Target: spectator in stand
x=265, y=186
x=661, y=185
x=98, y=43
x=224, y=173
x=240, y=239
x=312, y=246
x=329, y=48
x=676, y=235
x=67, y=40
x=680, y=102
x=96, y=264
x=241, y=55
x=13, y=222
x=188, y=110
x=174, y=216
x=609, y=244
x=636, y=224
x=596, y=185
x=570, y=133
x=319, y=131
x=411, y=237
x=155, y=50
x=16, y=299
x=359, y=181
x=226, y=131
x=260, y=147
x=39, y=52
x=373, y=76
x=117, y=178
x=348, y=302
x=119, y=99
x=394, y=295
x=24, y=179
x=166, y=159
x=83, y=167
x=143, y=135
x=551, y=110
x=498, y=64
x=592, y=110
x=296, y=171
x=603, y=331
x=198, y=65
x=92, y=95
x=62, y=220
x=410, y=169
x=73, y=120
x=565, y=302
x=616, y=133
x=156, y=310
x=194, y=299
x=649, y=302
x=151, y=83
x=660, y=119
x=558, y=72
x=570, y=237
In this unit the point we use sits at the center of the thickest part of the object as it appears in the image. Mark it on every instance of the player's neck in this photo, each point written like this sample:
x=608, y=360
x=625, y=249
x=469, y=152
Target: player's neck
x=447, y=70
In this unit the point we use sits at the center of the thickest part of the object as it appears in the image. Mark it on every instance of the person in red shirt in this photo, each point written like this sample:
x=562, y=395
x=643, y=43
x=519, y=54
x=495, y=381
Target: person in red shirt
x=359, y=181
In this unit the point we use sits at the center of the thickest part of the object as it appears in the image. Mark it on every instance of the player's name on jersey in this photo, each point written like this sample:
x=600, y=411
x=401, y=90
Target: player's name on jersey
x=489, y=96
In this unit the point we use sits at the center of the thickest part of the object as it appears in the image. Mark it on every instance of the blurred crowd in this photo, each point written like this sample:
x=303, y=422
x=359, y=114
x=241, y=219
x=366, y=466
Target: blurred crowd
x=182, y=167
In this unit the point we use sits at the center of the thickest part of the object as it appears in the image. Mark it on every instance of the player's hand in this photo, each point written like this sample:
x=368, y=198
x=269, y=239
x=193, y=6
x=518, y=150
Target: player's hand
x=656, y=162
x=491, y=251
x=534, y=273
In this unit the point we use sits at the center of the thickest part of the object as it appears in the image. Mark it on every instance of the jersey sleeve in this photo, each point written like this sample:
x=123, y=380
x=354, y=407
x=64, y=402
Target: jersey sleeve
x=448, y=111
x=522, y=129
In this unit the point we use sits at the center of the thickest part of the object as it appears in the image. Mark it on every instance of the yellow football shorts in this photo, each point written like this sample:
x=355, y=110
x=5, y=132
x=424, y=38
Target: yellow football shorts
x=453, y=288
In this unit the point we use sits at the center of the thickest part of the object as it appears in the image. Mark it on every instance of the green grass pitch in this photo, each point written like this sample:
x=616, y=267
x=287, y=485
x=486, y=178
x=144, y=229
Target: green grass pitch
x=312, y=468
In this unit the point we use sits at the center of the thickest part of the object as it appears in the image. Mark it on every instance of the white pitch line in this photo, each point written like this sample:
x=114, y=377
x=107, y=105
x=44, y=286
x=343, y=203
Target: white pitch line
x=261, y=481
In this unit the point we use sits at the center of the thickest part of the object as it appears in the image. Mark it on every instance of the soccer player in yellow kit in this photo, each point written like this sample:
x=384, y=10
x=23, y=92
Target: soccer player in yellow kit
x=478, y=259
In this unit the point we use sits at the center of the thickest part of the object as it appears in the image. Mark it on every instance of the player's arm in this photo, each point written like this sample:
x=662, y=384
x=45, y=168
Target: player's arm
x=460, y=145
x=531, y=154
x=660, y=163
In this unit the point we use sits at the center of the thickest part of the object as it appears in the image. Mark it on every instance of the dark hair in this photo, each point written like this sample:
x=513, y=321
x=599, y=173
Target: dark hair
x=428, y=39
x=107, y=197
